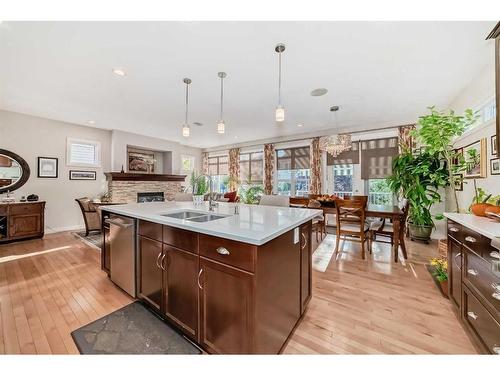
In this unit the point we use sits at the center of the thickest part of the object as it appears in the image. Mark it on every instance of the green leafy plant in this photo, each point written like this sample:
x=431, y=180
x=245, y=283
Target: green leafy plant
x=199, y=183
x=418, y=178
x=482, y=196
x=250, y=194
x=440, y=268
x=436, y=134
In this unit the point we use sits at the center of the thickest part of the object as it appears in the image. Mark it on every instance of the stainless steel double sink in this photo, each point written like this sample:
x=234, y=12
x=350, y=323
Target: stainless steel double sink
x=195, y=216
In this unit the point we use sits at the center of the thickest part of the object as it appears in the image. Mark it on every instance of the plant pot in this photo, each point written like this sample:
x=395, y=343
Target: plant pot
x=420, y=232
x=444, y=287
x=198, y=199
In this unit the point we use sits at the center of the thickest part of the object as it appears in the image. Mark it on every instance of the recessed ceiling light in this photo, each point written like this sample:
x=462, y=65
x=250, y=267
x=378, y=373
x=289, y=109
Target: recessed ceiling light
x=91, y=122
x=119, y=72
x=300, y=125
x=319, y=92
x=197, y=123
x=334, y=108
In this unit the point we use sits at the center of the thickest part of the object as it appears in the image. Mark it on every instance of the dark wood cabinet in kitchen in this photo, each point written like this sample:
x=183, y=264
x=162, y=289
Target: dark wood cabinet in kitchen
x=305, y=265
x=181, y=289
x=455, y=272
x=227, y=308
x=150, y=283
x=21, y=220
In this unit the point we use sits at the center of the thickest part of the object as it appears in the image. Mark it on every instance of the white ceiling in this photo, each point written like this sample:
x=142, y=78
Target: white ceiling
x=379, y=73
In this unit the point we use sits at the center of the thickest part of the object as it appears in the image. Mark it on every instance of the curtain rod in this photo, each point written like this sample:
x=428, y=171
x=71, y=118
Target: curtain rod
x=257, y=143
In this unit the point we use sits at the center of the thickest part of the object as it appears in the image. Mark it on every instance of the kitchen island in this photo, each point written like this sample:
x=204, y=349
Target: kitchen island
x=235, y=280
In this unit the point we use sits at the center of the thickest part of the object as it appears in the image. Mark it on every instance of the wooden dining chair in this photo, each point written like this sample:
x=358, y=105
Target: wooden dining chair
x=318, y=225
x=385, y=229
x=351, y=222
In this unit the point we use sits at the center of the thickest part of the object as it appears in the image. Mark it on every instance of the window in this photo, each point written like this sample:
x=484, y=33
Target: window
x=342, y=179
x=487, y=112
x=379, y=192
x=219, y=170
x=251, y=168
x=187, y=164
x=83, y=153
x=293, y=171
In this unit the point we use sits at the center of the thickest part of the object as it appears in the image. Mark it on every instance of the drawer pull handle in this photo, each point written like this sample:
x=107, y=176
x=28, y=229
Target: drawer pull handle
x=305, y=241
x=454, y=229
x=162, y=265
x=496, y=296
x=472, y=314
x=496, y=349
x=455, y=260
x=472, y=272
x=495, y=254
x=496, y=287
x=223, y=251
x=199, y=275
x=470, y=239
x=158, y=259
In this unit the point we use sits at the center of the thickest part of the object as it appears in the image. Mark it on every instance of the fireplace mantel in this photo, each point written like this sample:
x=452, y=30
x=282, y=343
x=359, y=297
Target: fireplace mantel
x=118, y=176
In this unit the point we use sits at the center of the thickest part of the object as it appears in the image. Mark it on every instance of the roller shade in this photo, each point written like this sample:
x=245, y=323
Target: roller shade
x=293, y=158
x=347, y=157
x=377, y=156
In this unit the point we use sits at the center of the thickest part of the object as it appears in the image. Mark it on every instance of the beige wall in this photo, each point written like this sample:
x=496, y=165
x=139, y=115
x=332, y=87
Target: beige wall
x=31, y=137
x=477, y=93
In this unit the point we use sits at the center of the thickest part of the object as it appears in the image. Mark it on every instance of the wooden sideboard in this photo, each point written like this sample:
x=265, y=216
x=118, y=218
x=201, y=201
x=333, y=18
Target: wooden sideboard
x=474, y=287
x=21, y=220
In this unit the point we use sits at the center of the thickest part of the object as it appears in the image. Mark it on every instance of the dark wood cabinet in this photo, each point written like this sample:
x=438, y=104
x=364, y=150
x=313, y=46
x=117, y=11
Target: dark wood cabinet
x=21, y=220
x=305, y=265
x=181, y=289
x=150, y=286
x=455, y=271
x=227, y=308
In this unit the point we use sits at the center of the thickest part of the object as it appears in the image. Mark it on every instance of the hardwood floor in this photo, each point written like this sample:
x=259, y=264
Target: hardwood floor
x=50, y=287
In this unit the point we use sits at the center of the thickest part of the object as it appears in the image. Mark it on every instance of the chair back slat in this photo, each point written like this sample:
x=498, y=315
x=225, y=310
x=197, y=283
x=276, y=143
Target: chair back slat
x=349, y=209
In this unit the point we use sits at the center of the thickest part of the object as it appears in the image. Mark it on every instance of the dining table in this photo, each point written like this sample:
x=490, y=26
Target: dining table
x=381, y=211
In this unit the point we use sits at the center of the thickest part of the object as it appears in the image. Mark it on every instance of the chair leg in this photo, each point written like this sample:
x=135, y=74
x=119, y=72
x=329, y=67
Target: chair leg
x=337, y=242
x=362, y=246
x=403, y=245
x=316, y=230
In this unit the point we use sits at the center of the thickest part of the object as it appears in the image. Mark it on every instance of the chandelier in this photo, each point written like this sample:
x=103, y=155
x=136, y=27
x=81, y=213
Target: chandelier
x=335, y=144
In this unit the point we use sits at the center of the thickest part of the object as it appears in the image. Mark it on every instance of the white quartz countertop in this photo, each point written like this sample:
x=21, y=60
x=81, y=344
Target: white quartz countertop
x=483, y=225
x=254, y=224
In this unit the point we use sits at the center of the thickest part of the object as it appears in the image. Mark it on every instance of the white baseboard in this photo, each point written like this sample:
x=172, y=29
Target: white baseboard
x=63, y=229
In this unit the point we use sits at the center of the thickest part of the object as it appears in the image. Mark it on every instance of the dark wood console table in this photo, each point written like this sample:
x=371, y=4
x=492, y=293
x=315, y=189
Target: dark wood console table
x=21, y=220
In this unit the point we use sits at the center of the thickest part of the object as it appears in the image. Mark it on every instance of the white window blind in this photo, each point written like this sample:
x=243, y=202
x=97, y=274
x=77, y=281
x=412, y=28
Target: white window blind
x=84, y=153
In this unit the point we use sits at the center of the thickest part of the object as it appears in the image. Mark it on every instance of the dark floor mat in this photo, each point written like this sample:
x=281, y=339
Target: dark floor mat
x=131, y=330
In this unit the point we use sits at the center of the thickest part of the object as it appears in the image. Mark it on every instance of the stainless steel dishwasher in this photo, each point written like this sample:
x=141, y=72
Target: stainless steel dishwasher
x=122, y=245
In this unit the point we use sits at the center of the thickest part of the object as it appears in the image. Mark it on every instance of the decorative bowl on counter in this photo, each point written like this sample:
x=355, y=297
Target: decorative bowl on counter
x=479, y=209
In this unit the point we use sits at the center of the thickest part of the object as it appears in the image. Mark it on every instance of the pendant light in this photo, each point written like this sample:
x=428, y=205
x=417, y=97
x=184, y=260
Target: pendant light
x=221, y=126
x=280, y=110
x=185, y=128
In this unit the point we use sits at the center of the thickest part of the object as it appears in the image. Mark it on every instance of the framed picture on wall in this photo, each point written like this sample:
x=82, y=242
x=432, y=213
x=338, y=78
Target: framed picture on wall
x=47, y=167
x=141, y=162
x=459, y=183
x=475, y=159
x=494, y=150
x=495, y=166
x=82, y=175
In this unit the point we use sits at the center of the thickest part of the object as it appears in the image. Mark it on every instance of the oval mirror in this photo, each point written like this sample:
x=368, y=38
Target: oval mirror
x=14, y=171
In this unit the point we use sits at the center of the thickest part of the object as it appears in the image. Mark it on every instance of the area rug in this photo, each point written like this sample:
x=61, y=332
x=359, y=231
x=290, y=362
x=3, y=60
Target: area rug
x=93, y=239
x=133, y=329
x=323, y=254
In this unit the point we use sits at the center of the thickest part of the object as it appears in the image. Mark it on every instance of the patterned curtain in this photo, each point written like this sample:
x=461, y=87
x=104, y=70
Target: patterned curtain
x=315, y=184
x=234, y=168
x=406, y=140
x=204, y=163
x=269, y=156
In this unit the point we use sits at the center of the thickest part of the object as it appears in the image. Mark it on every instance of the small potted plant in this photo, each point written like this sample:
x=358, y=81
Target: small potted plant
x=441, y=273
x=199, y=187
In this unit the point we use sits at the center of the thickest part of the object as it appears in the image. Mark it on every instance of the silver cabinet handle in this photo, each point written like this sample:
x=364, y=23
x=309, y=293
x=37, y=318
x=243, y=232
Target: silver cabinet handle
x=495, y=254
x=455, y=260
x=470, y=239
x=496, y=349
x=223, y=251
x=496, y=296
x=305, y=241
x=454, y=229
x=162, y=266
x=118, y=223
x=472, y=314
x=472, y=272
x=199, y=275
x=158, y=259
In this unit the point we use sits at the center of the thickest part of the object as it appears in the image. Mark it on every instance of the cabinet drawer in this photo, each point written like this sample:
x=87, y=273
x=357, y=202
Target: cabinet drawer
x=180, y=238
x=455, y=231
x=478, y=273
x=472, y=240
x=150, y=230
x=24, y=209
x=481, y=321
x=491, y=254
x=234, y=253
x=3, y=209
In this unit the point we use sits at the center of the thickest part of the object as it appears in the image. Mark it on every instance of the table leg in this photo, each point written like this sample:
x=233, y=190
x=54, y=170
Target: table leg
x=396, y=235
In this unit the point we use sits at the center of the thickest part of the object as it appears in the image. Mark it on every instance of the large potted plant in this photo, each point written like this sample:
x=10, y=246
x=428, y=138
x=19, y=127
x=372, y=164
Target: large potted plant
x=418, y=178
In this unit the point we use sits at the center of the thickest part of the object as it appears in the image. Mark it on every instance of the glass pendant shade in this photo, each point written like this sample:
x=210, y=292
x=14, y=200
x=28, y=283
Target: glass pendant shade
x=185, y=130
x=280, y=113
x=221, y=127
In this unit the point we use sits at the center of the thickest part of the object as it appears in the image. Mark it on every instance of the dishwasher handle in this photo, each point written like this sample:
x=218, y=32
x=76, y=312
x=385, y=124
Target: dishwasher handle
x=118, y=223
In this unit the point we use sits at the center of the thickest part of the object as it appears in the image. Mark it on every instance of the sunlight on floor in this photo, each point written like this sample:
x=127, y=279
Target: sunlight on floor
x=10, y=258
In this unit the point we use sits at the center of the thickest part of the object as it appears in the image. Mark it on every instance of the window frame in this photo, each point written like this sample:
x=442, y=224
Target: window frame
x=249, y=162
x=97, y=152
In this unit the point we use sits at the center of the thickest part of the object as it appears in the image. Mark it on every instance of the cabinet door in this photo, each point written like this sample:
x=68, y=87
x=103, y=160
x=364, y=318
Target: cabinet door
x=227, y=308
x=305, y=265
x=150, y=273
x=455, y=271
x=181, y=289
x=25, y=225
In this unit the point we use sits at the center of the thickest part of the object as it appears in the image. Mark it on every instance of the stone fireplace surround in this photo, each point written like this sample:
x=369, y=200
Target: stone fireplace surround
x=123, y=187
